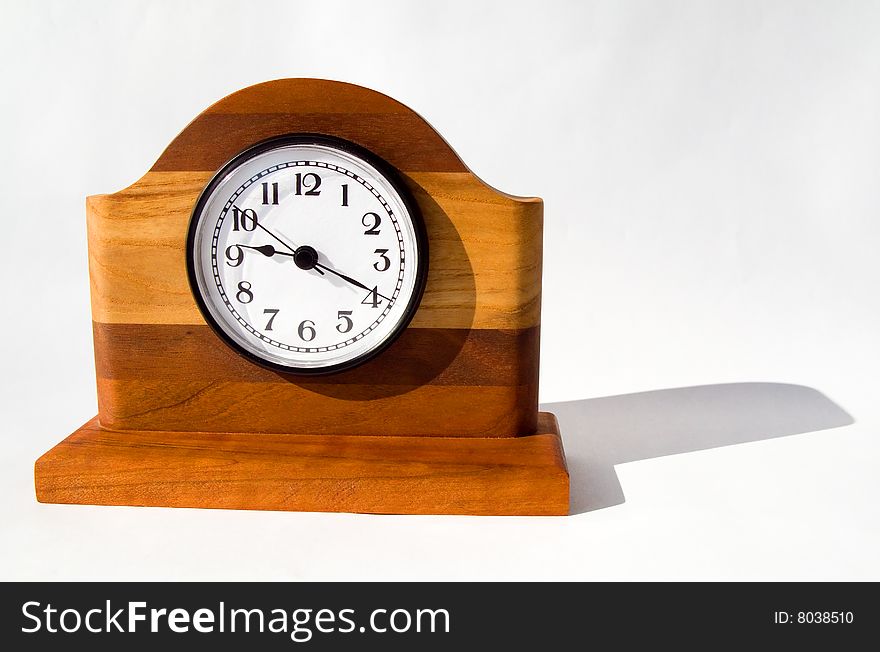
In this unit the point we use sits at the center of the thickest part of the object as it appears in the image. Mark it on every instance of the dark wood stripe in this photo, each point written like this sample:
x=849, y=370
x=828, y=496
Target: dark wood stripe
x=421, y=356
x=399, y=410
x=404, y=140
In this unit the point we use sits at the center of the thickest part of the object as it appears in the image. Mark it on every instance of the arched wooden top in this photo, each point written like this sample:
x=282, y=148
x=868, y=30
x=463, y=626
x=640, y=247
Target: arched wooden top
x=375, y=121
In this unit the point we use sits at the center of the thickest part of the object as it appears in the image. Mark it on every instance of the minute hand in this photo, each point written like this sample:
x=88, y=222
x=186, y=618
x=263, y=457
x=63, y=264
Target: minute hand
x=351, y=280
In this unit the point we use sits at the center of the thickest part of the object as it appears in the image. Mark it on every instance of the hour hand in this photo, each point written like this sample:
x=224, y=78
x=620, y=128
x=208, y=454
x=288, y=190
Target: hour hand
x=266, y=250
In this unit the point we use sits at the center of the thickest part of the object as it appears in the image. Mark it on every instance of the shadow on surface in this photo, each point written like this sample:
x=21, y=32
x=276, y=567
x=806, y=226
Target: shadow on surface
x=601, y=432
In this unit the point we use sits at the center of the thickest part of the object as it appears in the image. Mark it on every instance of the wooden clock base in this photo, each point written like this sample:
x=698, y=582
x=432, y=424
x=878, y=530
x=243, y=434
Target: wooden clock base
x=379, y=475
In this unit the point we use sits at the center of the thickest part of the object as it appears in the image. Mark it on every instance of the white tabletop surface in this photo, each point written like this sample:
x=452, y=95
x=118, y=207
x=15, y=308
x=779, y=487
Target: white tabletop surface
x=711, y=322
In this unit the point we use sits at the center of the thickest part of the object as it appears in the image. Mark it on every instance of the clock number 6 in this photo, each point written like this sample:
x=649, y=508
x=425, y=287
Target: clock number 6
x=307, y=330
x=347, y=322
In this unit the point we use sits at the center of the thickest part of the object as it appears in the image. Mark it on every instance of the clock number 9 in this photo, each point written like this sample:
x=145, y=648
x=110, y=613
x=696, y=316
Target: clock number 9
x=244, y=294
x=234, y=255
x=307, y=330
x=375, y=219
x=244, y=219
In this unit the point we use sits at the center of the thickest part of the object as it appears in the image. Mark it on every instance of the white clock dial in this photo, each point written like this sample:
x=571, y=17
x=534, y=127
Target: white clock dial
x=306, y=254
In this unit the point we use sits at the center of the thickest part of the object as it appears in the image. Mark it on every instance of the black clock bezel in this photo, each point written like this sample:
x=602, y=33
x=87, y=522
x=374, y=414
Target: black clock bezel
x=394, y=179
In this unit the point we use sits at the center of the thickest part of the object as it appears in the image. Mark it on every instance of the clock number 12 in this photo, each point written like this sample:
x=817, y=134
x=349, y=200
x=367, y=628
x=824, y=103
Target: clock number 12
x=310, y=182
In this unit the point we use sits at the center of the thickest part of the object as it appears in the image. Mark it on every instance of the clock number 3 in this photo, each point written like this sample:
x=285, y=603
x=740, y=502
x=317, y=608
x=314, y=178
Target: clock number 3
x=384, y=261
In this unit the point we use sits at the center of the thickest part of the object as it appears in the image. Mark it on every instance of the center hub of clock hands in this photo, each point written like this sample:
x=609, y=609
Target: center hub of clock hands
x=306, y=258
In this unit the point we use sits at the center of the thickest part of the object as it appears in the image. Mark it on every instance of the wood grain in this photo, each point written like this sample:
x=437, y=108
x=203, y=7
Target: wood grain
x=371, y=410
x=284, y=106
x=420, y=356
x=404, y=475
x=430, y=382
x=405, y=139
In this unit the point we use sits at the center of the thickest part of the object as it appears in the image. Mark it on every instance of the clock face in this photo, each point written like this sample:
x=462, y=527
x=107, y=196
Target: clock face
x=306, y=254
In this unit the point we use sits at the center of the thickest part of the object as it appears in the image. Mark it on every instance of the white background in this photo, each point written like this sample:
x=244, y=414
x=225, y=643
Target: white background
x=710, y=172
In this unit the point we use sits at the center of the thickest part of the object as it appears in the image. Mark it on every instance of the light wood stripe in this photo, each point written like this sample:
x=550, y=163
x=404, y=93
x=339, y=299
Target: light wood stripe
x=485, y=265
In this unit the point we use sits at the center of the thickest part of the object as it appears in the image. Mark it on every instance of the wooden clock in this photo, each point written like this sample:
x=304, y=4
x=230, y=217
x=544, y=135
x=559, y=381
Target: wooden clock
x=310, y=303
